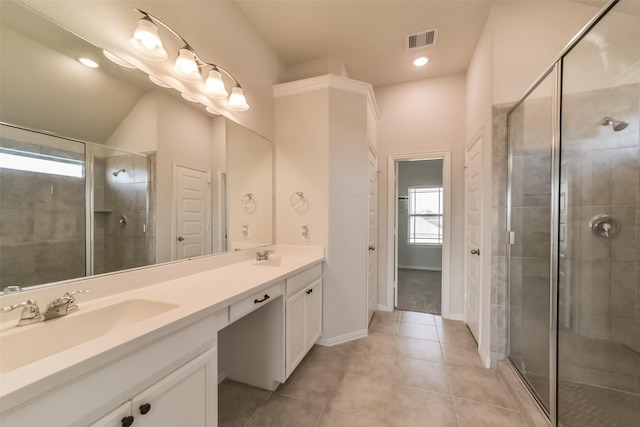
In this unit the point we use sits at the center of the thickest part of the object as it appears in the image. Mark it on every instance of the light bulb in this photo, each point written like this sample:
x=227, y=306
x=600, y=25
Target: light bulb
x=146, y=41
x=237, y=101
x=214, y=85
x=186, y=67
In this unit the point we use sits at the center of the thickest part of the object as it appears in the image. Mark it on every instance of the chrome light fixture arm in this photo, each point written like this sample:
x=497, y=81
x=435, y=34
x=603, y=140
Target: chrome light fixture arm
x=201, y=63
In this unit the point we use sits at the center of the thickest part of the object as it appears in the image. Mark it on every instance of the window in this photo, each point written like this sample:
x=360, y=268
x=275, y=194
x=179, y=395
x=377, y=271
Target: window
x=425, y=215
x=40, y=163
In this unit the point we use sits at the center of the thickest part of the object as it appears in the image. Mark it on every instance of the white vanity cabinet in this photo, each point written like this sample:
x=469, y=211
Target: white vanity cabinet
x=184, y=397
x=303, y=315
x=176, y=373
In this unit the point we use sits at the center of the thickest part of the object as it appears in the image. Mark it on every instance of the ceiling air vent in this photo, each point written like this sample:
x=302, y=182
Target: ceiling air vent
x=424, y=38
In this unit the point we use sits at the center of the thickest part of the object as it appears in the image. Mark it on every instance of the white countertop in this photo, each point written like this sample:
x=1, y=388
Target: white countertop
x=196, y=296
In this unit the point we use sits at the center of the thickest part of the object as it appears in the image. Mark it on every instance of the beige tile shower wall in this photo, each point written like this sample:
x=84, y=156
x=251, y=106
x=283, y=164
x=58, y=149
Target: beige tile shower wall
x=125, y=195
x=499, y=229
x=600, y=306
x=41, y=223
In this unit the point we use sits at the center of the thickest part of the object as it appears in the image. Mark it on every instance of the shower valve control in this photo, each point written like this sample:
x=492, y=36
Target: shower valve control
x=604, y=226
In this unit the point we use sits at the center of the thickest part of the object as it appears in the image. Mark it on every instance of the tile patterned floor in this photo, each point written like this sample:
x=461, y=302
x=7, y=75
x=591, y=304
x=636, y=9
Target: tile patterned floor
x=414, y=369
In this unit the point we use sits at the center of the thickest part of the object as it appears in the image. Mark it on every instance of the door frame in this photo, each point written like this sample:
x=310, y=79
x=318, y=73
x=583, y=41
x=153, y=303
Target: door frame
x=392, y=223
x=174, y=208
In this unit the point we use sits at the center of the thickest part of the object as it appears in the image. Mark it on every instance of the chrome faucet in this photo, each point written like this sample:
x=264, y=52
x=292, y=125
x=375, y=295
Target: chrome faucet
x=62, y=306
x=30, y=312
x=264, y=255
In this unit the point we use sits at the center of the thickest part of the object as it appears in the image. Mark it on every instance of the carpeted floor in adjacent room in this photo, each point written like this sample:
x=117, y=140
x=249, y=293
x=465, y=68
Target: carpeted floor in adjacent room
x=419, y=290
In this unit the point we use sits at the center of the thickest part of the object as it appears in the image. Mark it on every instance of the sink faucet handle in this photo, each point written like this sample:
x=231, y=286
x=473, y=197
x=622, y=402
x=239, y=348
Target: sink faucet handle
x=30, y=312
x=69, y=296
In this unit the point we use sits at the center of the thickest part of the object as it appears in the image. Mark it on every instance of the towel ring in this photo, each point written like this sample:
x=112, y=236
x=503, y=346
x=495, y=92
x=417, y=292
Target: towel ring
x=248, y=201
x=298, y=201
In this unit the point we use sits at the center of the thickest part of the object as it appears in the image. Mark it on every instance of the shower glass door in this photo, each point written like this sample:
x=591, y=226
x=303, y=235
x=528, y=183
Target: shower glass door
x=599, y=292
x=121, y=238
x=529, y=213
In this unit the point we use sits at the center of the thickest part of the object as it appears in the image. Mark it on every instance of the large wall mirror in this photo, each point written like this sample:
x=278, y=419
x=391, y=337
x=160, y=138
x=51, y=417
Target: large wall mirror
x=101, y=170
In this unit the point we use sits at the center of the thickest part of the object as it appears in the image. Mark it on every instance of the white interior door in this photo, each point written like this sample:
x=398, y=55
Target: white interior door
x=372, y=219
x=473, y=235
x=192, y=212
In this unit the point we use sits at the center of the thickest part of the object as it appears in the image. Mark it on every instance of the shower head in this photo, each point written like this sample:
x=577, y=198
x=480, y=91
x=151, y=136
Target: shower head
x=116, y=173
x=618, y=125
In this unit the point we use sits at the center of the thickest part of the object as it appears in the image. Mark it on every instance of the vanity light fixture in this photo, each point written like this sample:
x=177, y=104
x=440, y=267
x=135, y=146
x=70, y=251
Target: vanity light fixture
x=146, y=41
x=212, y=111
x=188, y=65
x=188, y=97
x=157, y=81
x=111, y=57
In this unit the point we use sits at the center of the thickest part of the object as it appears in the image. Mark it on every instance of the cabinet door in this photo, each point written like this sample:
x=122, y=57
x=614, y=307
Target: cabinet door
x=314, y=312
x=187, y=397
x=116, y=418
x=296, y=343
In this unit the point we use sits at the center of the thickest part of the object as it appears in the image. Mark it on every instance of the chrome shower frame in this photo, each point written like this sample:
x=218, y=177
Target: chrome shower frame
x=555, y=70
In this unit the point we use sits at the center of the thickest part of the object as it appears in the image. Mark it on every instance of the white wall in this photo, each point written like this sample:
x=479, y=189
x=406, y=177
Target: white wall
x=425, y=173
x=421, y=117
x=302, y=164
x=519, y=42
x=183, y=136
x=249, y=170
x=321, y=150
x=138, y=132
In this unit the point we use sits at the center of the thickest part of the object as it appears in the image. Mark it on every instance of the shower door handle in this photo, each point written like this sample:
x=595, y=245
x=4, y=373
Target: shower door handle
x=180, y=239
x=475, y=251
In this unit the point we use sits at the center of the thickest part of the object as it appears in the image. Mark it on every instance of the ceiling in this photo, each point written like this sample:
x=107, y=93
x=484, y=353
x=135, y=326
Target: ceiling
x=369, y=36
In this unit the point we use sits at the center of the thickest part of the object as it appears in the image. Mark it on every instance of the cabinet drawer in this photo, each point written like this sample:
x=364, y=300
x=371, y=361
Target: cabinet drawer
x=301, y=280
x=257, y=300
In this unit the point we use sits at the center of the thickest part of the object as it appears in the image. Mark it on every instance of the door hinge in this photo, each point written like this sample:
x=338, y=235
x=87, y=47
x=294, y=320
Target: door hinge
x=511, y=238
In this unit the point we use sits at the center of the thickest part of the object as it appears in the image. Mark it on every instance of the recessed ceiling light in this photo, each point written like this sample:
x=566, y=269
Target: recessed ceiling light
x=88, y=62
x=419, y=62
x=117, y=60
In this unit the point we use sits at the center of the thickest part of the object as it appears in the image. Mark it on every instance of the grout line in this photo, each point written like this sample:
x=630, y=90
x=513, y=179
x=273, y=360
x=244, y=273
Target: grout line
x=258, y=408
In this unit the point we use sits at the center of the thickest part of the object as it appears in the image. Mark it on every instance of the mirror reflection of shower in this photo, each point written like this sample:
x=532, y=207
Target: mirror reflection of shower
x=116, y=173
x=617, y=125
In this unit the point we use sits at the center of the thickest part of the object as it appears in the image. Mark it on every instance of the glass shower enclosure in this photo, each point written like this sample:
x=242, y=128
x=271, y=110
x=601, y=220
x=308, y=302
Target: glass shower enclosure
x=573, y=219
x=70, y=209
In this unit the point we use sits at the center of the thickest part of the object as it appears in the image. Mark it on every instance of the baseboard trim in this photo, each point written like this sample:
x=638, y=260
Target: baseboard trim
x=221, y=376
x=330, y=342
x=384, y=307
x=413, y=267
x=455, y=316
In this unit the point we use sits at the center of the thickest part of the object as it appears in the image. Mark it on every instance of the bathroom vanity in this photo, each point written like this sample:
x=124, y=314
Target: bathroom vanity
x=147, y=354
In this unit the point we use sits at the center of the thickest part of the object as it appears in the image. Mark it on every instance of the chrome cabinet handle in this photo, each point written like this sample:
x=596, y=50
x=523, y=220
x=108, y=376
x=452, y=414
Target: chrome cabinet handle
x=475, y=251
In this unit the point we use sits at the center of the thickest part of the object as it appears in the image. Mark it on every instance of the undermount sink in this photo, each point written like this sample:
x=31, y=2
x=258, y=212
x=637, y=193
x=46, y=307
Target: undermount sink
x=22, y=345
